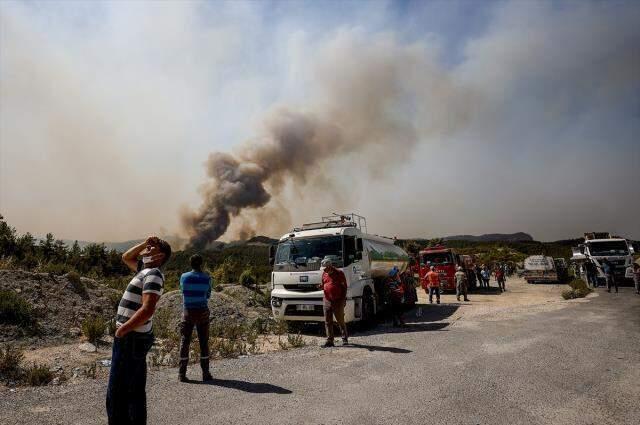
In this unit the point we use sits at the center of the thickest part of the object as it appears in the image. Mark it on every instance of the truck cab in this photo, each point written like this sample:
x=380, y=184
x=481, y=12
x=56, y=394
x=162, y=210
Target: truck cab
x=297, y=274
x=598, y=247
x=444, y=260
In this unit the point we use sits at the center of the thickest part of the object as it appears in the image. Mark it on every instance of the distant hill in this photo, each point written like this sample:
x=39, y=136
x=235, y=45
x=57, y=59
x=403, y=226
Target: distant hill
x=492, y=237
x=118, y=246
x=123, y=246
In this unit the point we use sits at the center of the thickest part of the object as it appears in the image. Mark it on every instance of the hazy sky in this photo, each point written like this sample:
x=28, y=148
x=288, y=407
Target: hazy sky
x=506, y=116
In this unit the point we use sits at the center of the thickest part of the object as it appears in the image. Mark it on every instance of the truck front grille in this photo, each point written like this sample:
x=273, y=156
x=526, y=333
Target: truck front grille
x=292, y=311
x=301, y=288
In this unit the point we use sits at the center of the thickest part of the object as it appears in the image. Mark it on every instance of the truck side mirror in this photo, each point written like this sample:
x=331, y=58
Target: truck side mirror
x=581, y=247
x=359, y=255
x=359, y=246
x=272, y=254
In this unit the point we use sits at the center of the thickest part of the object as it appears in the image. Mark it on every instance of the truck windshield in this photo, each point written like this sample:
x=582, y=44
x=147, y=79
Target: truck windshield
x=608, y=248
x=440, y=258
x=306, y=254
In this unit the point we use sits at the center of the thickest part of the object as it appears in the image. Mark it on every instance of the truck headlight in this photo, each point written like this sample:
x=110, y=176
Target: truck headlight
x=276, y=302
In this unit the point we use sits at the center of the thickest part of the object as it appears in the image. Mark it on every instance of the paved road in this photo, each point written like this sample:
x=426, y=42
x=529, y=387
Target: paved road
x=578, y=364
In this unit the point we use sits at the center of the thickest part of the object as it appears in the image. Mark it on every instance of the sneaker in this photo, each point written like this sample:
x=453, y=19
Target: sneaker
x=458, y=298
x=182, y=378
x=345, y=341
x=206, y=376
x=328, y=344
x=438, y=302
x=466, y=299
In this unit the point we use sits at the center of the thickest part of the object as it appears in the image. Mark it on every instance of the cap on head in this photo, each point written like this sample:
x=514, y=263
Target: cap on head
x=432, y=268
x=459, y=268
x=326, y=262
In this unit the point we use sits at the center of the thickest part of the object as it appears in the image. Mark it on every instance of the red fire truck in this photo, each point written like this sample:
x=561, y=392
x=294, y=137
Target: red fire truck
x=445, y=260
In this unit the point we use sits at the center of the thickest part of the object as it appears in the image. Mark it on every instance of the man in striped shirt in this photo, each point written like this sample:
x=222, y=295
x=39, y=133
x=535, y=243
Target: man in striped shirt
x=196, y=291
x=126, y=395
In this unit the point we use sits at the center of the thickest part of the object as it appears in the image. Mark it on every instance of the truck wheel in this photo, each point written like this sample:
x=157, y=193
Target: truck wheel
x=368, y=308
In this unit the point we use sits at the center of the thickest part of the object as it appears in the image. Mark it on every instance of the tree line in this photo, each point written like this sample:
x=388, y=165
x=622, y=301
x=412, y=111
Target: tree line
x=54, y=256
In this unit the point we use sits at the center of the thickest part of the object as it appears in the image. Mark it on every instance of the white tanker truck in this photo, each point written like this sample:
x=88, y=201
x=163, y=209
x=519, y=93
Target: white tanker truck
x=365, y=260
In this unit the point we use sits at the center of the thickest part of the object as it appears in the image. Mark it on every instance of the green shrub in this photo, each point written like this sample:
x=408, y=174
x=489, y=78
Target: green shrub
x=162, y=323
x=114, y=300
x=10, y=359
x=296, y=341
x=280, y=327
x=264, y=299
x=93, y=328
x=14, y=309
x=578, y=284
x=37, y=375
x=248, y=279
x=76, y=283
x=228, y=348
x=283, y=344
x=57, y=269
x=579, y=289
x=111, y=327
x=260, y=325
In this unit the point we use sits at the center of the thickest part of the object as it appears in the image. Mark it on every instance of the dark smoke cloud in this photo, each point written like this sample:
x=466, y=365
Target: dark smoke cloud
x=364, y=88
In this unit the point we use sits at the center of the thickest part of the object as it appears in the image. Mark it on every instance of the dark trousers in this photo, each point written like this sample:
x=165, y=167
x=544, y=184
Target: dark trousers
x=461, y=289
x=435, y=291
x=395, y=307
x=611, y=281
x=198, y=318
x=331, y=309
x=126, y=395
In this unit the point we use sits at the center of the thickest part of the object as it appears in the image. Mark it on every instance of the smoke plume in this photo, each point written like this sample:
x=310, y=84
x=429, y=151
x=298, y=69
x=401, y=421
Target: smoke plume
x=360, y=107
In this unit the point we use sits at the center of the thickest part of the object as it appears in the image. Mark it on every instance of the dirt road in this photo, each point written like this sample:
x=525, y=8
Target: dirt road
x=522, y=357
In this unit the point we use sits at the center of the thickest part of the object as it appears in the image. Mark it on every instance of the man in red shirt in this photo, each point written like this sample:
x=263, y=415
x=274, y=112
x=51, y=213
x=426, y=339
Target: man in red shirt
x=433, y=283
x=334, y=285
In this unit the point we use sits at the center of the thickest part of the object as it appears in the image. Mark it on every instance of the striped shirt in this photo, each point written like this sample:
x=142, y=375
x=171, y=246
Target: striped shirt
x=196, y=289
x=146, y=281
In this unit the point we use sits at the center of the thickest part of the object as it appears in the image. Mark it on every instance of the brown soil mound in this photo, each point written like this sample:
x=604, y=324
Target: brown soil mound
x=59, y=306
x=233, y=303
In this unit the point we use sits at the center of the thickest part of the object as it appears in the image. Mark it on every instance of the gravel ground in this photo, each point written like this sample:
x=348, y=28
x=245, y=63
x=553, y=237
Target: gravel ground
x=487, y=362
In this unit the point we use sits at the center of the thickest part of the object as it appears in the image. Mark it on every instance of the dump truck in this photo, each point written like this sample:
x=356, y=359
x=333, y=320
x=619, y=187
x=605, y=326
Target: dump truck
x=365, y=259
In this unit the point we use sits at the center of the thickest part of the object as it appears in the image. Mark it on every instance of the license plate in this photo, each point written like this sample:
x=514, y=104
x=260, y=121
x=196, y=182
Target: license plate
x=305, y=307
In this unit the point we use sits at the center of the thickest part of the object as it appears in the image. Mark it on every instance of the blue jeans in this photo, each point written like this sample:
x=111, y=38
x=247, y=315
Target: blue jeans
x=126, y=395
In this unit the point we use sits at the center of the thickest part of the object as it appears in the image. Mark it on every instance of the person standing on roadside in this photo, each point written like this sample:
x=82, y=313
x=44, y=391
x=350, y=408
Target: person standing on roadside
x=334, y=285
x=500, y=279
x=196, y=291
x=433, y=284
x=607, y=269
x=126, y=392
x=636, y=277
x=479, y=276
x=486, y=276
x=461, y=284
x=395, y=294
x=590, y=273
